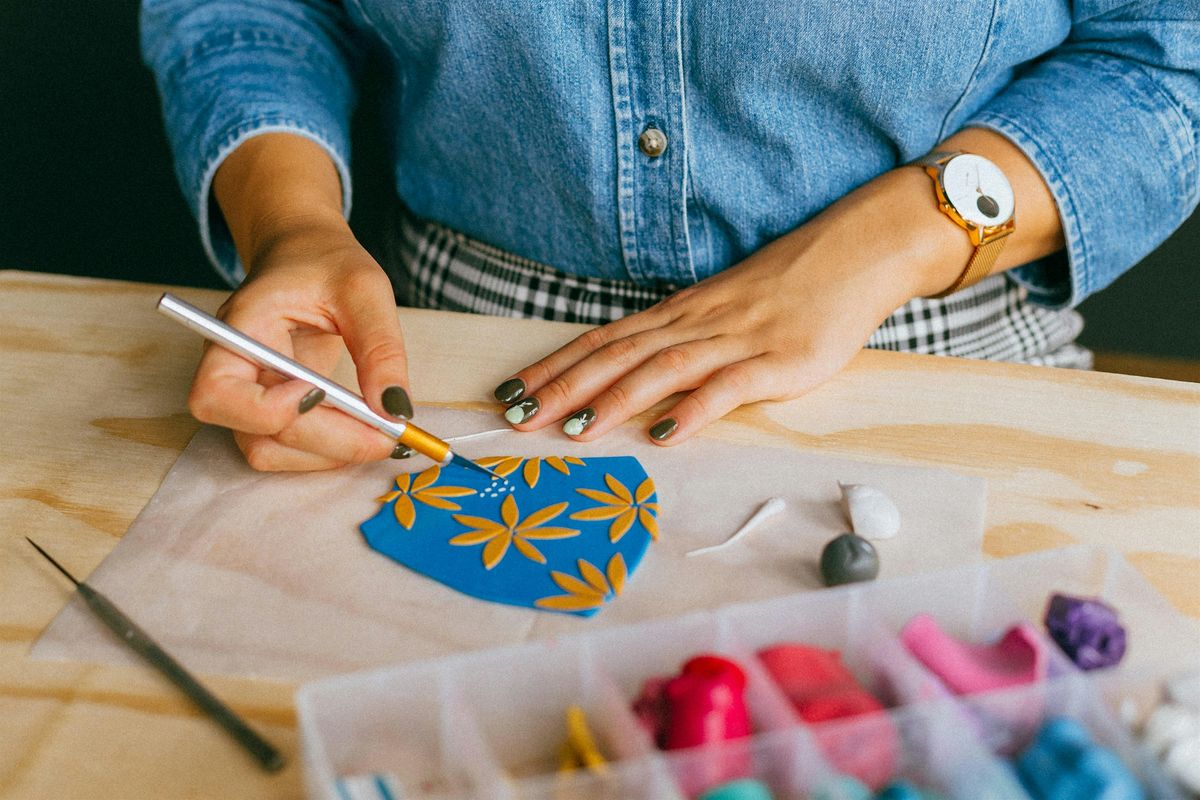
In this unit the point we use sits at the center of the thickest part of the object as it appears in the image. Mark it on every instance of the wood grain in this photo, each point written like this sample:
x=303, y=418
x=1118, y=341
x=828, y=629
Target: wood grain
x=94, y=414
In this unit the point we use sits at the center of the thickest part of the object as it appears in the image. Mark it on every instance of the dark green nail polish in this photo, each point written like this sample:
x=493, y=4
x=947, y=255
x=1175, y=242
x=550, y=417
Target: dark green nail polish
x=510, y=391
x=311, y=400
x=578, y=422
x=523, y=411
x=663, y=429
x=402, y=451
x=396, y=402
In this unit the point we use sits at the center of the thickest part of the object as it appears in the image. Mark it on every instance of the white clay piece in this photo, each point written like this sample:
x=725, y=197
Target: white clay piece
x=1183, y=763
x=1168, y=725
x=871, y=513
x=1172, y=734
x=770, y=508
x=1185, y=691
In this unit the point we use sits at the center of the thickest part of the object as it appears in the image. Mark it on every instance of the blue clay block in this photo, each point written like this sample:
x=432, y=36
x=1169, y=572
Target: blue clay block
x=1063, y=763
x=453, y=525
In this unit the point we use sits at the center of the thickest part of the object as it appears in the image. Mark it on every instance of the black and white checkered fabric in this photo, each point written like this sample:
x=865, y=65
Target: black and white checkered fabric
x=432, y=266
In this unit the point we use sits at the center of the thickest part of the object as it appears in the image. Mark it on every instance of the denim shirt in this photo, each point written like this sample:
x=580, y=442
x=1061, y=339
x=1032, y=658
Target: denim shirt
x=518, y=122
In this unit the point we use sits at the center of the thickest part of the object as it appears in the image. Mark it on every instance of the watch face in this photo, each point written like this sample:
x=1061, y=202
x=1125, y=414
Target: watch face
x=978, y=190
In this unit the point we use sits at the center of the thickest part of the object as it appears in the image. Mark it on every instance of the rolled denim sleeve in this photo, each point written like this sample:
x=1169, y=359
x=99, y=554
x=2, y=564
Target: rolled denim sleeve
x=228, y=71
x=1111, y=119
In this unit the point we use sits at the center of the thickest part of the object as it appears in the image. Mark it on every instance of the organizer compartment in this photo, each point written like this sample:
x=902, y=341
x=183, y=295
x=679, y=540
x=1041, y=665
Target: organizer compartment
x=629, y=655
x=489, y=724
x=387, y=722
x=1074, y=697
x=785, y=761
x=640, y=779
x=836, y=619
x=517, y=699
x=1161, y=642
x=930, y=748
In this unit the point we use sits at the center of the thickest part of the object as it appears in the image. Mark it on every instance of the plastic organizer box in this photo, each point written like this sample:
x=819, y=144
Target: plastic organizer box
x=489, y=724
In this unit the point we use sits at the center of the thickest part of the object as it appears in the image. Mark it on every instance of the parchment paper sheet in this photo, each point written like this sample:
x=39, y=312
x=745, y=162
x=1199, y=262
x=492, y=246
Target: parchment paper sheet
x=246, y=573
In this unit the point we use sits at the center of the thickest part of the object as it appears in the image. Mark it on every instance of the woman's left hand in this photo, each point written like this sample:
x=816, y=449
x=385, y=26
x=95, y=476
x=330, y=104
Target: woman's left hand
x=772, y=327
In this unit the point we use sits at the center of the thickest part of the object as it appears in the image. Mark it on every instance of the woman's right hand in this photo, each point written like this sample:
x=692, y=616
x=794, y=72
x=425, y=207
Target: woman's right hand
x=310, y=285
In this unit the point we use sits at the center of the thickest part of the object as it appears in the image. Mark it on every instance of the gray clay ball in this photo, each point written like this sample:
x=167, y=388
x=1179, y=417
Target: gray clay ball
x=848, y=559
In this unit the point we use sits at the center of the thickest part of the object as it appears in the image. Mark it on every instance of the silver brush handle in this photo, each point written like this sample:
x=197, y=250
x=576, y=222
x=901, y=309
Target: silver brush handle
x=231, y=338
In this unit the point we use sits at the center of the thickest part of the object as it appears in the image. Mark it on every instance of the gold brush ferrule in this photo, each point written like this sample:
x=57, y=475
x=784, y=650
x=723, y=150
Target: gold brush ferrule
x=426, y=444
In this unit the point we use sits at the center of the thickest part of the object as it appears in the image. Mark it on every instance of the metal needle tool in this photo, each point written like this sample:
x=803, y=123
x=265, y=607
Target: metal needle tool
x=336, y=395
x=140, y=642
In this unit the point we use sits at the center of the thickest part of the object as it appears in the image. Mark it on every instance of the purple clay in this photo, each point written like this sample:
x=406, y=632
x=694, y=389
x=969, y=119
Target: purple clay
x=1087, y=630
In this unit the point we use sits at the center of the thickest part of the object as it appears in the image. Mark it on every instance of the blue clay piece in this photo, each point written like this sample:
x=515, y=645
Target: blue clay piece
x=1063, y=763
x=744, y=789
x=558, y=534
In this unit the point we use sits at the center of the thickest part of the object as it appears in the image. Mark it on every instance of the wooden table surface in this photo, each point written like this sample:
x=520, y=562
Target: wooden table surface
x=93, y=405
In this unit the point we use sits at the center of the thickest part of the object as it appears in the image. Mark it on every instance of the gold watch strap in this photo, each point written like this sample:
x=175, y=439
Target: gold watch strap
x=978, y=267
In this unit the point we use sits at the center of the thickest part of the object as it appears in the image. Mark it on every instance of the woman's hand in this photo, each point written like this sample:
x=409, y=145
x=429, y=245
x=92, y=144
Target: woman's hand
x=310, y=283
x=785, y=319
x=772, y=327
x=307, y=291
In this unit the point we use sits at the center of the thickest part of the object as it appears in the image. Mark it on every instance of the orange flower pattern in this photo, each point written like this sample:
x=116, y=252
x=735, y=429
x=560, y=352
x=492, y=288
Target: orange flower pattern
x=461, y=529
x=507, y=465
x=498, y=536
x=622, y=507
x=591, y=589
x=424, y=490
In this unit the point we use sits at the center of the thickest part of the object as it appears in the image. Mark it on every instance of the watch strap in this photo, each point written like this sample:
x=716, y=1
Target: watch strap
x=978, y=267
x=936, y=158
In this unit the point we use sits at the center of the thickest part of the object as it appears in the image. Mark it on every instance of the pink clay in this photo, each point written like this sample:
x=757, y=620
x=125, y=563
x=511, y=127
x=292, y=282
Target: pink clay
x=1017, y=659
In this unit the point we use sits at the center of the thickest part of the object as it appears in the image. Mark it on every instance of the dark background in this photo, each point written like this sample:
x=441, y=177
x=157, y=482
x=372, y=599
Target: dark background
x=87, y=187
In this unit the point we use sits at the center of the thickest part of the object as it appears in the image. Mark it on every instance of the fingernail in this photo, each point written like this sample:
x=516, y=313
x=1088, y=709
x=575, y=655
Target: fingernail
x=578, y=422
x=663, y=429
x=402, y=451
x=523, y=411
x=311, y=400
x=396, y=402
x=510, y=391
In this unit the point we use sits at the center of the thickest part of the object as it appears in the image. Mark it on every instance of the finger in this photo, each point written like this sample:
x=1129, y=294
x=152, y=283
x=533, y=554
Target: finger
x=367, y=320
x=572, y=389
x=532, y=378
x=673, y=369
x=338, y=437
x=226, y=390
x=729, y=387
x=267, y=455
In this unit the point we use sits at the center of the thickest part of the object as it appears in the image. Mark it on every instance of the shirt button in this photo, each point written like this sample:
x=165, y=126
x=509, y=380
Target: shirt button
x=652, y=141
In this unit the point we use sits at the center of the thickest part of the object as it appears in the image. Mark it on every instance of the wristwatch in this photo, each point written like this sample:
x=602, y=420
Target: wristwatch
x=974, y=193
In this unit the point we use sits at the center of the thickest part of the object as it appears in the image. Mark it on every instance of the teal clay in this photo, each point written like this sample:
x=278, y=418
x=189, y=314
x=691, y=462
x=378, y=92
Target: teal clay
x=744, y=789
x=903, y=790
x=848, y=559
x=842, y=787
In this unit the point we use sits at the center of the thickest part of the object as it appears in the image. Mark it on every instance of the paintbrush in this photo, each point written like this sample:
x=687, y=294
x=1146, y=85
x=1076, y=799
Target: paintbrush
x=140, y=642
x=336, y=395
